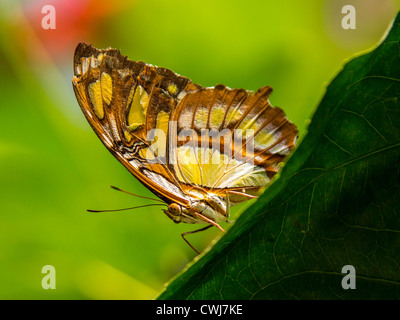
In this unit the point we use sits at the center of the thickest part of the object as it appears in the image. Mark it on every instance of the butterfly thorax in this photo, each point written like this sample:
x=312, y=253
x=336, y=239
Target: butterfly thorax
x=210, y=208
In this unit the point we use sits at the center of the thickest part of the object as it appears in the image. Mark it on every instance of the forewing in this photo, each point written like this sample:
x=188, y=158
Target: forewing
x=123, y=100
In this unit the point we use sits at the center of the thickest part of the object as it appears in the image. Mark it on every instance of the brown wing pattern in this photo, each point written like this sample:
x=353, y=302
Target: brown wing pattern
x=271, y=138
x=121, y=100
x=124, y=100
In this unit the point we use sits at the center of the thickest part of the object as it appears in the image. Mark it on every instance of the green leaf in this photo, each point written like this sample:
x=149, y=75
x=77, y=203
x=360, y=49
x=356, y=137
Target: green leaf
x=336, y=203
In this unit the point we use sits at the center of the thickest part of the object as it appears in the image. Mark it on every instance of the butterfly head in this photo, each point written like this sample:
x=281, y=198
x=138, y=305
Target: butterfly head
x=174, y=212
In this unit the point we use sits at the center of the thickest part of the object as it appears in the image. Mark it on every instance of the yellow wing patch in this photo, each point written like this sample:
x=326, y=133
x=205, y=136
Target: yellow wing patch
x=106, y=87
x=100, y=91
x=217, y=116
x=233, y=116
x=138, y=109
x=172, y=89
x=264, y=139
x=210, y=168
x=96, y=99
x=201, y=117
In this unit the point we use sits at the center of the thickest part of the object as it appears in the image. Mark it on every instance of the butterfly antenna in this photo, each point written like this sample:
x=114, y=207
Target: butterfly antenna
x=132, y=194
x=113, y=210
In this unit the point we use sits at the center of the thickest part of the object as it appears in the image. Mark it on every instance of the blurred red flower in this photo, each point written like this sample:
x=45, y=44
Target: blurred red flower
x=76, y=21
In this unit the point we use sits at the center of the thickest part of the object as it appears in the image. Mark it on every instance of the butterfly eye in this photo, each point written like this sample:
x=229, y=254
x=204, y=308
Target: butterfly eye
x=174, y=209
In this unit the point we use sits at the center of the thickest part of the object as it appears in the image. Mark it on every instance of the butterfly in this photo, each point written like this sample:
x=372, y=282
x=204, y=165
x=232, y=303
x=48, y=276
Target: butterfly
x=199, y=149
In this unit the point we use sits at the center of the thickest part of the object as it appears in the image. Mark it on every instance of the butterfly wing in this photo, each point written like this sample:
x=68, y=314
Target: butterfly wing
x=253, y=138
x=123, y=100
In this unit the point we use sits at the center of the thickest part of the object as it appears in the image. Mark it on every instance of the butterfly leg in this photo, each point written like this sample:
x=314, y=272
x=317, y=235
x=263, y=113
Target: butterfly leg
x=209, y=221
x=194, y=231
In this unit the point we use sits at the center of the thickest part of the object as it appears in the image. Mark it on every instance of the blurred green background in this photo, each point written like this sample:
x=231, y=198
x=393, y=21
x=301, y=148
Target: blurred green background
x=53, y=167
